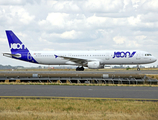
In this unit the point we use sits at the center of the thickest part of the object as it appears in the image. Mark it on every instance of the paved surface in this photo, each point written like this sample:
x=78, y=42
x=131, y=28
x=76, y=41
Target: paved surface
x=90, y=72
x=80, y=91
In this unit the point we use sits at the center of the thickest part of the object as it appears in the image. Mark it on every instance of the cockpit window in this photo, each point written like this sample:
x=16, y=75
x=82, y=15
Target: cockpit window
x=148, y=55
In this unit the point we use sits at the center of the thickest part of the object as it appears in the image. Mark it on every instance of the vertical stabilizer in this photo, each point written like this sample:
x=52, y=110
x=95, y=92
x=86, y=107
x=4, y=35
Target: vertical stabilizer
x=18, y=49
x=15, y=45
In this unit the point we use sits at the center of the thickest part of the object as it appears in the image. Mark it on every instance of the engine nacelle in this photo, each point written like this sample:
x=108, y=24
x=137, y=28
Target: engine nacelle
x=95, y=65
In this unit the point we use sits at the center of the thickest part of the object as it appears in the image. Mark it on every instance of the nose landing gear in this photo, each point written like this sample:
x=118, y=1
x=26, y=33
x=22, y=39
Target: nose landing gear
x=138, y=68
x=80, y=68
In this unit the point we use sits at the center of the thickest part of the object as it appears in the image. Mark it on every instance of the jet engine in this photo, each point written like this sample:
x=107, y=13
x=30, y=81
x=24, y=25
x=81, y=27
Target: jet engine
x=95, y=65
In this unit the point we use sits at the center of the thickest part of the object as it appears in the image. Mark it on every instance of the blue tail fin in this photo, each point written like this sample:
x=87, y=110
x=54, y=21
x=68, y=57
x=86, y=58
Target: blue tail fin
x=18, y=48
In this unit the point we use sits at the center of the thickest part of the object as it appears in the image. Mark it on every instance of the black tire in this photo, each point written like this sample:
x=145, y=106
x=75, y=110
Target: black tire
x=77, y=69
x=82, y=68
x=138, y=69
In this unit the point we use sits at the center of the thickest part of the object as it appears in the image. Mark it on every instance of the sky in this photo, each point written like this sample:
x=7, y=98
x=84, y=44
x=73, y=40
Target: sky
x=79, y=25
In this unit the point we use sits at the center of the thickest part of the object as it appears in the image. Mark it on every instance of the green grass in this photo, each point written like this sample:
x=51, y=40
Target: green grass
x=69, y=109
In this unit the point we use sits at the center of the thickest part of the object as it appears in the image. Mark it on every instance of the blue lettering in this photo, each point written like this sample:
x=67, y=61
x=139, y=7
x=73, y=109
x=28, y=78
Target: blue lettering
x=123, y=54
x=132, y=54
x=114, y=54
x=127, y=54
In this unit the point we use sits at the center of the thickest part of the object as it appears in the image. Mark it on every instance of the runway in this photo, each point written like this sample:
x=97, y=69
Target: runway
x=89, y=72
x=80, y=91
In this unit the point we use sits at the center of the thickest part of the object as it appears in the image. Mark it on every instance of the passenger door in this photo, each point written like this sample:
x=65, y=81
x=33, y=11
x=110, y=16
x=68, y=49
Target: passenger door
x=138, y=57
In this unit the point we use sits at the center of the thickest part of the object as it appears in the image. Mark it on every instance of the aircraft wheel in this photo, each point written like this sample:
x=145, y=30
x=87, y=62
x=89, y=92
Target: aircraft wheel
x=138, y=69
x=77, y=69
x=80, y=69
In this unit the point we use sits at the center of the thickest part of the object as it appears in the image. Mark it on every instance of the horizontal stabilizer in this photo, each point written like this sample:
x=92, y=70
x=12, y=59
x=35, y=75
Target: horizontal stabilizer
x=12, y=55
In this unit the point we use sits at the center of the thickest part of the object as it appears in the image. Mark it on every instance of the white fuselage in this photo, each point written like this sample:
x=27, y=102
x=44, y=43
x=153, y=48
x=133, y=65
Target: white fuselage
x=104, y=57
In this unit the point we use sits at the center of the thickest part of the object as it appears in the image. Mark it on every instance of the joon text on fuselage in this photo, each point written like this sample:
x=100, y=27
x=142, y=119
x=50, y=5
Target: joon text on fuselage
x=124, y=54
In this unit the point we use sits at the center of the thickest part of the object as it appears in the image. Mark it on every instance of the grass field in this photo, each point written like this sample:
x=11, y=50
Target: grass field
x=69, y=109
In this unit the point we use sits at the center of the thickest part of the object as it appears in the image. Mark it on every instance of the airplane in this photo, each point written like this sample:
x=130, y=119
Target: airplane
x=90, y=59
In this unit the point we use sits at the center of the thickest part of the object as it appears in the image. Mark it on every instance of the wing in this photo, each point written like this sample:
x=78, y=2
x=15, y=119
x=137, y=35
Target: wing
x=75, y=60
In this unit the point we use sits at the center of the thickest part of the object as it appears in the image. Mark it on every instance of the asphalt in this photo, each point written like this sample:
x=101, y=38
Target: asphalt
x=150, y=93
x=90, y=72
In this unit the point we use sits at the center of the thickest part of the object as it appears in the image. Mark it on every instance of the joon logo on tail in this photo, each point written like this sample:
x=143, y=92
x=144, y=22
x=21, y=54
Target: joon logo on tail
x=17, y=46
x=124, y=54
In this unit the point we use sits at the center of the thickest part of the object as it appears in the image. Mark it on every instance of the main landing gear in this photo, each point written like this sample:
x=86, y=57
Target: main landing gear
x=80, y=68
x=138, y=68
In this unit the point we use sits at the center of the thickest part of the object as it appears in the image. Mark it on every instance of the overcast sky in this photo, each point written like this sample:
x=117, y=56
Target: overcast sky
x=80, y=25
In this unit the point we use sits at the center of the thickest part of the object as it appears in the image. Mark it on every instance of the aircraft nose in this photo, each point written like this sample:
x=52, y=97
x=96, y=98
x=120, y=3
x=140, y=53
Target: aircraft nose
x=154, y=59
